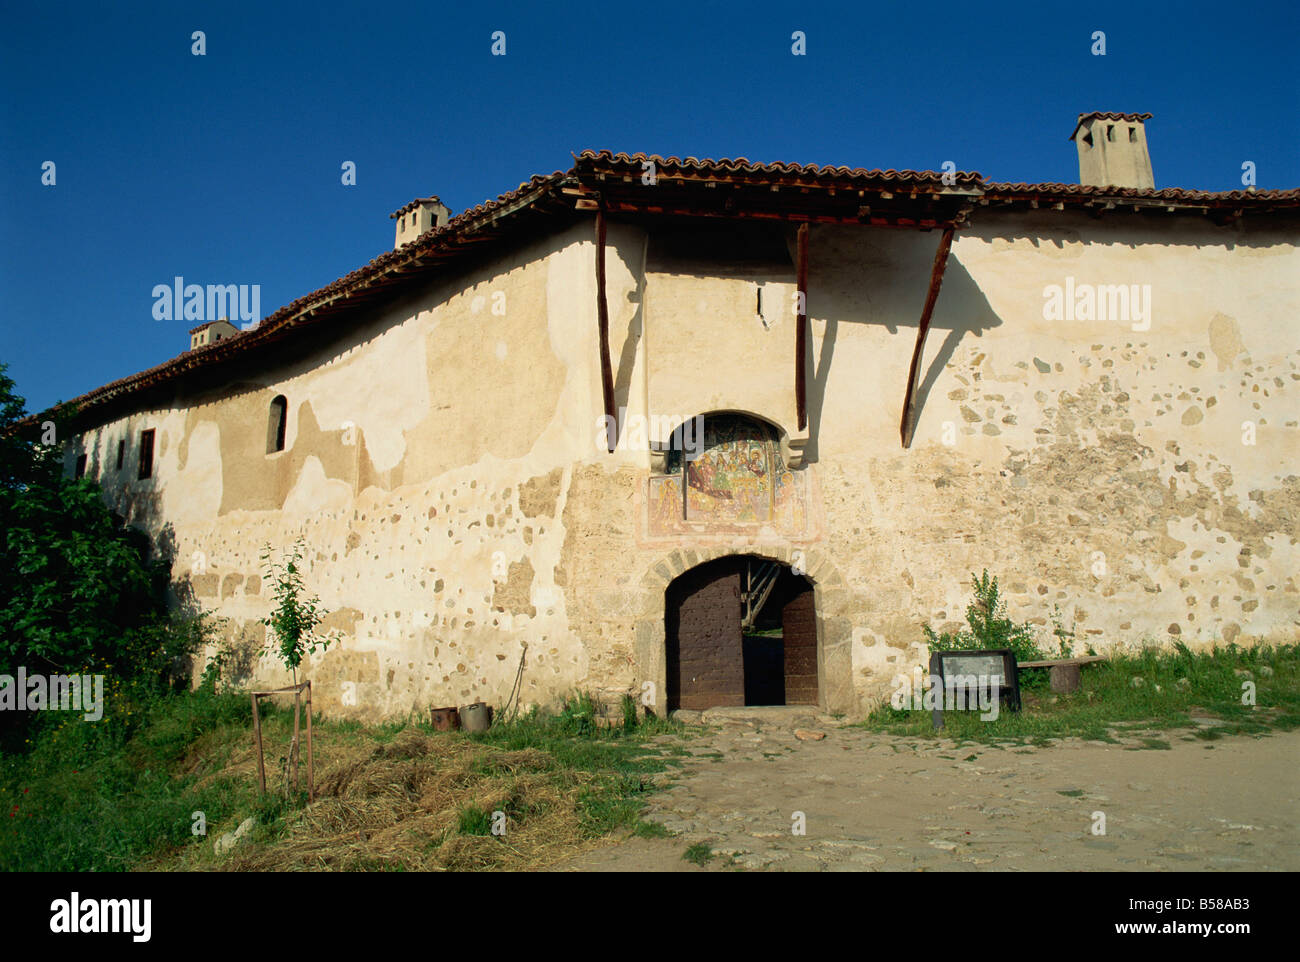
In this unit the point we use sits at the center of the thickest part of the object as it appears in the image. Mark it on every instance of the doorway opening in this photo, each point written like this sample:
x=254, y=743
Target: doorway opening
x=741, y=631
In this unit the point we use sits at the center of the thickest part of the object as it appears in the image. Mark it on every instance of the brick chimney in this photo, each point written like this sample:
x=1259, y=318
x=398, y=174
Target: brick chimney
x=420, y=215
x=1113, y=150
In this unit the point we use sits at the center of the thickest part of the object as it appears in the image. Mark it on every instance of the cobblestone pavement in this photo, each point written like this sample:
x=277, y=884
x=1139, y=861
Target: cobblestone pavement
x=886, y=803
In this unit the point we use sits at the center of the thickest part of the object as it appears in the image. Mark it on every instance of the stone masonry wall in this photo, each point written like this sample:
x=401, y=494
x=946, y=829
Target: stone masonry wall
x=445, y=463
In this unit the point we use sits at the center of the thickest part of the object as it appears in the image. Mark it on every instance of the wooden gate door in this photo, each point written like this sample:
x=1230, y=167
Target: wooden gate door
x=706, y=664
x=799, y=631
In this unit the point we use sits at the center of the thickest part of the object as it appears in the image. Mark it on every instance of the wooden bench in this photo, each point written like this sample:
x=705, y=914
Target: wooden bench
x=1064, y=675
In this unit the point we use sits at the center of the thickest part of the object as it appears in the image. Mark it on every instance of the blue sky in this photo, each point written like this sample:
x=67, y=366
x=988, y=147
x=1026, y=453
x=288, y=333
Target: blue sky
x=225, y=168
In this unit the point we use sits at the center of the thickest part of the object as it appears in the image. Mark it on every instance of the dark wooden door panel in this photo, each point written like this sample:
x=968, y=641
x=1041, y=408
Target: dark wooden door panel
x=705, y=647
x=799, y=630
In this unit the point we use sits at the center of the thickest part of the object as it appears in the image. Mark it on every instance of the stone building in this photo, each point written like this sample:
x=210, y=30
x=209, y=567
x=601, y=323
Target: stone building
x=727, y=432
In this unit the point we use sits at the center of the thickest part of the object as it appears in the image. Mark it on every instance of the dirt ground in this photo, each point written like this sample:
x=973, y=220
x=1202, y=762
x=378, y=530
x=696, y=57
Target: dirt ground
x=884, y=803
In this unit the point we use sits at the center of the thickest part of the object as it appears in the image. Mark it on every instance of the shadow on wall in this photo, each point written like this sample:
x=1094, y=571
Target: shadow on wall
x=172, y=575
x=841, y=290
x=238, y=394
x=1052, y=231
x=236, y=653
x=625, y=363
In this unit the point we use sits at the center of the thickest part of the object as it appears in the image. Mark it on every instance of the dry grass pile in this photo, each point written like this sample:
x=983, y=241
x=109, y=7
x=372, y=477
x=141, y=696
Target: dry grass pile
x=417, y=804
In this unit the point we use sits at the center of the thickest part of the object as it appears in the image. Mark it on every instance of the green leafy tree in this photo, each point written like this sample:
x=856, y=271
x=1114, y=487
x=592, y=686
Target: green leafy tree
x=80, y=590
x=296, y=613
x=293, y=621
x=75, y=580
x=26, y=461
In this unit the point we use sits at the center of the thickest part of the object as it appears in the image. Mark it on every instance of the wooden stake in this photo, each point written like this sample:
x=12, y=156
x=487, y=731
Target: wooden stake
x=908, y=424
x=257, y=737
x=311, y=768
x=293, y=748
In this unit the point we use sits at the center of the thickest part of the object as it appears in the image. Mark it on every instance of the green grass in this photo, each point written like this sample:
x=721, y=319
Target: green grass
x=620, y=756
x=1109, y=706
x=121, y=794
x=475, y=821
x=701, y=853
x=96, y=796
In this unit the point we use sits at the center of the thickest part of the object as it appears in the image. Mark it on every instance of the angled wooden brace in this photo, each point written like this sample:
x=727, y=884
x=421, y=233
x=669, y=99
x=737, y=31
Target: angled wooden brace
x=801, y=329
x=602, y=315
x=908, y=425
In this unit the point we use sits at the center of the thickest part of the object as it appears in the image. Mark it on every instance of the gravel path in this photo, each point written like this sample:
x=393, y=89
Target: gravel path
x=884, y=803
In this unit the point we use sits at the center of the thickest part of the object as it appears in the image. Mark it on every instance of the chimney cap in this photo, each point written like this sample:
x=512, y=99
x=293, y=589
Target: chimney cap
x=418, y=202
x=204, y=327
x=1106, y=115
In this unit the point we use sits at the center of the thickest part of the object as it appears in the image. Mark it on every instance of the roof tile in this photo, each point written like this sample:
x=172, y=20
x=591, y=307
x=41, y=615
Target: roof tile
x=381, y=270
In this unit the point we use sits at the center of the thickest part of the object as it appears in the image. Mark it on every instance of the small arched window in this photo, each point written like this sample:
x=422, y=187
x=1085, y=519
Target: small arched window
x=279, y=417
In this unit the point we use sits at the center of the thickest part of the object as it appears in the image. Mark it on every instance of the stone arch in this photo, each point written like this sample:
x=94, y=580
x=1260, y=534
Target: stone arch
x=830, y=596
x=790, y=444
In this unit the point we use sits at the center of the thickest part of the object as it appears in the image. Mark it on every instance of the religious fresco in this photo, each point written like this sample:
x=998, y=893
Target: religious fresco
x=666, y=503
x=738, y=479
x=791, y=513
x=731, y=480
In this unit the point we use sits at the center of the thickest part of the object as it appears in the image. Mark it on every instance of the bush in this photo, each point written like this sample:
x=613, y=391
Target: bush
x=81, y=592
x=578, y=715
x=987, y=626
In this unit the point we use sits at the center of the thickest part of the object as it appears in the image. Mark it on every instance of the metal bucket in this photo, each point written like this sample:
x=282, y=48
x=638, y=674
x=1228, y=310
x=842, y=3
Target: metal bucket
x=475, y=718
x=446, y=719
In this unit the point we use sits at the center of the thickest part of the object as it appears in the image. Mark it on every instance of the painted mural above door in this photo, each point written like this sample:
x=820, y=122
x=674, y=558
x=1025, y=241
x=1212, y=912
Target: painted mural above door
x=737, y=483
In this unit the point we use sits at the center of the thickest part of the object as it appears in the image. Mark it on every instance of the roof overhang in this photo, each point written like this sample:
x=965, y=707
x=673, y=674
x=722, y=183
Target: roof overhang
x=689, y=188
x=639, y=185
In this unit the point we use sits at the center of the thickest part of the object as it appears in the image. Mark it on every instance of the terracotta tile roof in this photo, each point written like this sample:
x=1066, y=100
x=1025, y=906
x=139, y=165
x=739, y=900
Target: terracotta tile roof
x=1176, y=195
x=542, y=197
x=301, y=312
x=1107, y=115
x=745, y=169
x=407, y=208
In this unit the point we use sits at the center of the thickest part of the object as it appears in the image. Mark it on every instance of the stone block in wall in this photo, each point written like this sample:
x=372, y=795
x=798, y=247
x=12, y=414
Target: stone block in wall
x=539, y=496
x=205, y=586
x=514, y=595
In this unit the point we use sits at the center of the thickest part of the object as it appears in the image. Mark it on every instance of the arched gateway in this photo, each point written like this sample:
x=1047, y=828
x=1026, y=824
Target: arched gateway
x=823, y=629
x=740, y=630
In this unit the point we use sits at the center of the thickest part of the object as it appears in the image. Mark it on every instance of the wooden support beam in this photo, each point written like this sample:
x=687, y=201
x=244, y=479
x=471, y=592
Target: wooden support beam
x=602, y=314
x=801, y=331
x=908, y=425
